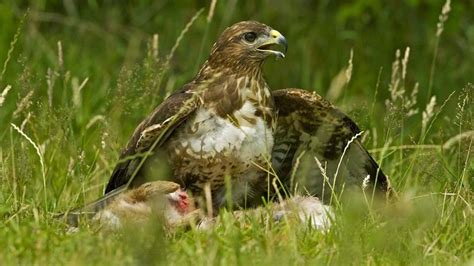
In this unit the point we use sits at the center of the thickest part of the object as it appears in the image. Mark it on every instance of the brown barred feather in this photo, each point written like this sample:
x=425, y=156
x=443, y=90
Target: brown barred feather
x=310, y=127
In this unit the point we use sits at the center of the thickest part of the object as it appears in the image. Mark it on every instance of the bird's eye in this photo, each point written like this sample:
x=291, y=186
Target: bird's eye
x=250, y=36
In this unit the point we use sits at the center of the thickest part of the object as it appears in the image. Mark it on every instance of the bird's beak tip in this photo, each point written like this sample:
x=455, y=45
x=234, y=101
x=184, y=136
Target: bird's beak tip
x=274, y=38
x=280, y=40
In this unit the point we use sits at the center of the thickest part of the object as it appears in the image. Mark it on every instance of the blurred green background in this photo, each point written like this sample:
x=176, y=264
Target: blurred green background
x=99, y=38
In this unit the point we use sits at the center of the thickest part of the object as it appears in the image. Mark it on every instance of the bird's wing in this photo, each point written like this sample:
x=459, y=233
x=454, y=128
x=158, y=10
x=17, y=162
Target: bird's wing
x=150, y=134
x=311, y=131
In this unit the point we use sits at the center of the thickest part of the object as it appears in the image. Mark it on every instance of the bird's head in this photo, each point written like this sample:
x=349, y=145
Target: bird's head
x=247, y=43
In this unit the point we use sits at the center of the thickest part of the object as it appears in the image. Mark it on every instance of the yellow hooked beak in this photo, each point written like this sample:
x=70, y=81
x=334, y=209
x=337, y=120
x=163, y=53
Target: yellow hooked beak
x=274, y=38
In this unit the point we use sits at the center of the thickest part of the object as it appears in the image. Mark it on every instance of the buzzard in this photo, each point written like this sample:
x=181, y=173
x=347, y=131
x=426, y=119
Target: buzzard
x=218, y=128
x=227, y=126
x=226, y=123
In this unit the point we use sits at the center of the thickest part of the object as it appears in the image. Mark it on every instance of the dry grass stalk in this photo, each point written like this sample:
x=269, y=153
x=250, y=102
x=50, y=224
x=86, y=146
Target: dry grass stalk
x=24, y=104
x=435, y=116
x=468, y=135
x=395, y=81
x=365, y=182
x=41, y=159
x=60, y=56
x=428, y=113
x=4, y=94
x=212, y=8
x=50, y=80
x=344, y=153
x=154, y=46
x=25, y=121
x=341, y=80
x=463, y=101
x=94, y=120
x=295, y=168
x=443, y=17
x=12, y=46
x=349, y=68
x=401, y=105
x=327, y=181
x=405, y=63
x=181, y=35
x=103, y=143
x=76, y=91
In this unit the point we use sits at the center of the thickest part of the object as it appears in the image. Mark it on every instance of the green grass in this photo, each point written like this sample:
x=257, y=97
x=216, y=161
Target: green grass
x=60, y=140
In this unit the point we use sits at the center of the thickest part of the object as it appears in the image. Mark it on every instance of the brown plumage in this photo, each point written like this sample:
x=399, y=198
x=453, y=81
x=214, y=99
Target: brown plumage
x=311, y=130
x=222, y=125
x=219, y=125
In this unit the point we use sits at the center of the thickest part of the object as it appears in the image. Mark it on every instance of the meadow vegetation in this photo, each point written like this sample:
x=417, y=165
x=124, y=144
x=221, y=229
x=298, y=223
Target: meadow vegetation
x=77, y=77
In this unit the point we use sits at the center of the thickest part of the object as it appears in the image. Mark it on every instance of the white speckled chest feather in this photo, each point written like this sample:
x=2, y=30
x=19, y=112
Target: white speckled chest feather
x=213, y=136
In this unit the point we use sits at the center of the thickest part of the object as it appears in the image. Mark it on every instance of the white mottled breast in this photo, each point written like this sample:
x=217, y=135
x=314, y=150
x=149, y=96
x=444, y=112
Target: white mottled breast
x=209, y=136
x=216, y=135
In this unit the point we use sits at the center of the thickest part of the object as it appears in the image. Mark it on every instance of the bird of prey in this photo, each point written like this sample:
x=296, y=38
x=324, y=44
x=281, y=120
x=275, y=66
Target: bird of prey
x=227, y=126
x=317, y=150
x=218, y=128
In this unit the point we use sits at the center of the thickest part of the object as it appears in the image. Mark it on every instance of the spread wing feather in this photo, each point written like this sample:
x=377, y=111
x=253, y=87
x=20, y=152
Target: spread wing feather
x=310, y=146
x=150, y=134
